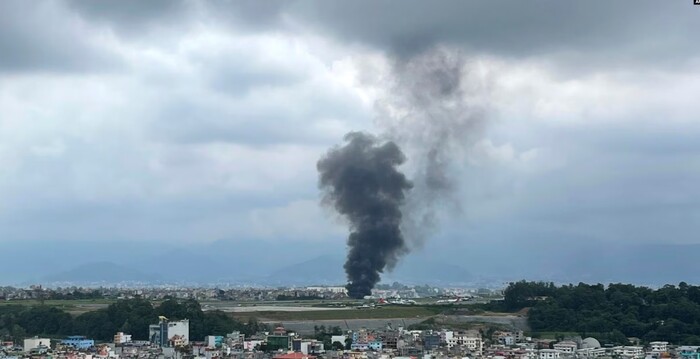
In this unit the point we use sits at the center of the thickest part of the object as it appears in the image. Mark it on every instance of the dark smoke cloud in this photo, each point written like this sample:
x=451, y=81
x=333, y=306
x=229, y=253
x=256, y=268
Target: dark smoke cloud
x=434, y=106
x=362, y=182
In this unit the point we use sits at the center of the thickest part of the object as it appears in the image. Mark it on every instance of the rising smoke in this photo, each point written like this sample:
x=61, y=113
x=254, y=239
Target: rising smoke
x=431, y=106
x=362, y=182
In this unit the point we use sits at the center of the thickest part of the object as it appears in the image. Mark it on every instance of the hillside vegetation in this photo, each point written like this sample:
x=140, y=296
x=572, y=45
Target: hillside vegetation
x=613, y=313
x=130, y=316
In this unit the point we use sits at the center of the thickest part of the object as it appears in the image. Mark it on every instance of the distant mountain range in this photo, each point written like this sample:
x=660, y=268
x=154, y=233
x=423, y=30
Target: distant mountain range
x=97, y=272
x=309, y=263
x=328, y=269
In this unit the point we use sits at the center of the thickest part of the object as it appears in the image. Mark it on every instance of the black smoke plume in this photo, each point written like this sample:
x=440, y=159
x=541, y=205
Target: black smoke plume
x=433, y=105
x=362, y=182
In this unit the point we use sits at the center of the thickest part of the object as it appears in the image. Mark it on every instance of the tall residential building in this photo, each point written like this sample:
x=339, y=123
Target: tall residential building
x=169, y=333
x=235, y=339
x=470, y=340
x=158, y=333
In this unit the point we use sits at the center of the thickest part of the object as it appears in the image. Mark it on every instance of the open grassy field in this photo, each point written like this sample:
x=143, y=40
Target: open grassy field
x=282, y=310
x=57, y=302
x=72, y=306
x=373, y=313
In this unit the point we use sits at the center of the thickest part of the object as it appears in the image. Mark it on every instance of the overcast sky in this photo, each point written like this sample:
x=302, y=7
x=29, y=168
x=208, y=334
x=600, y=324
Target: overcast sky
x=198, y=121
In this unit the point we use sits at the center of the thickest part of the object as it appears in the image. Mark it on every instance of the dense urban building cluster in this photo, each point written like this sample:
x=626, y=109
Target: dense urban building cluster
x=170, y=339
x=38, y=292
x=178, y=292
x=138, y=328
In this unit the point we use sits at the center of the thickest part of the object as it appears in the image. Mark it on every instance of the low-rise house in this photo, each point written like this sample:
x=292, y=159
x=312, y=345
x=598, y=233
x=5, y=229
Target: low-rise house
x=548, y=354
x=658, y=347
x=339, y=338
x=688, y=352
x=566, y=347
x=629, y=351
x=31, y=343
x=122, y=338
x=591, y=352
x=252, y=344
x=214, y=341
x=307, y=346
x=78, y=342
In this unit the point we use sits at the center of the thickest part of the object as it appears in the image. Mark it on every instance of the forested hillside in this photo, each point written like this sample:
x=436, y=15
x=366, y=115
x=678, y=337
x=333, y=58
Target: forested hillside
x=614, y=312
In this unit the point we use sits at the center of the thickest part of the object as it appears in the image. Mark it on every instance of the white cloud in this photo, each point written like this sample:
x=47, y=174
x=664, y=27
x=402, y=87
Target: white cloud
x=299, y=219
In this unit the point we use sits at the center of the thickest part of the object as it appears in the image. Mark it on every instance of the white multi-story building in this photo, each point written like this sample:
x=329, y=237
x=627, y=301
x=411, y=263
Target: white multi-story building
x=36, y=342
x=530, y=354
x=180, y=328
x=121, y=338
x=446, y=336
x=658, y=347
x=415, y=334
x=549, y=354
x=168, y=333
x=566, y=347
x=629, y=351
x=590, y=352
x=470, y=340
x=329, y=289
x=339, y=338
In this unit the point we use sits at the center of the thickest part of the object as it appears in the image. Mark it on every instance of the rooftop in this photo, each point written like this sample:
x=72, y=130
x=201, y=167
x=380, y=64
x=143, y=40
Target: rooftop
x=295, y=355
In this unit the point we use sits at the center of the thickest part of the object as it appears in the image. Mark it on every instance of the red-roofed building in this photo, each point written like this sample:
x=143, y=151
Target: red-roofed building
x=295, y=355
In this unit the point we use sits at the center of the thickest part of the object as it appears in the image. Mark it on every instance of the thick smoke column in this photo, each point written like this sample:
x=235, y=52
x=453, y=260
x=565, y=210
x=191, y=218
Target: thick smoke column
x=433, y=105
x=362, y=182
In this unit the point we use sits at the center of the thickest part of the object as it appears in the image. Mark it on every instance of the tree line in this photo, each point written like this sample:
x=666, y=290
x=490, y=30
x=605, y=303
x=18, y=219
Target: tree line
x=324, y=335
x=613, y=313
x=132, y=316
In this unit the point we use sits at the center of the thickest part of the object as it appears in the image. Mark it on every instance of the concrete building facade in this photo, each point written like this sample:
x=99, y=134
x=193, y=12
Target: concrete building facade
x=36, y=342
x=566, y=347
x=659, y=347
x=122, y=338
x=170, y=333
x=549, y=354
x=78, y=342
